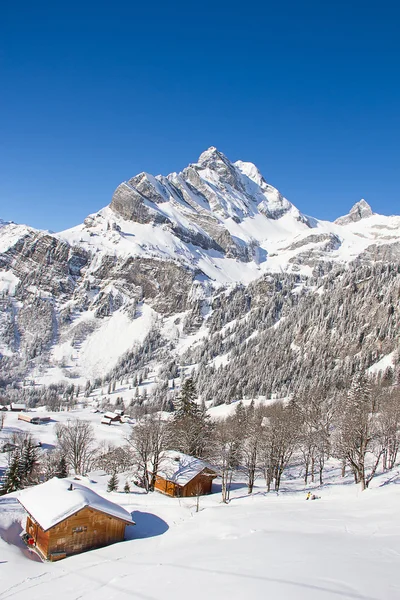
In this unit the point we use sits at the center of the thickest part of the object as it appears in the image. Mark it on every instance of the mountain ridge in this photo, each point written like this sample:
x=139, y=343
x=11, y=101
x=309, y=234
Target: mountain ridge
x=159, y=259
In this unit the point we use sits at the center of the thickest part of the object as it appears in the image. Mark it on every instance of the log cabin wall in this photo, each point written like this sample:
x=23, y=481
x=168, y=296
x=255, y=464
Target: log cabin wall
x=198, y=486
x=165, y=486
x=41, y=537
x=86, y=529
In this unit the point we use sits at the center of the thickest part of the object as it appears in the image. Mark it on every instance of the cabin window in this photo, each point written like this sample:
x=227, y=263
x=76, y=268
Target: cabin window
x=80, y=529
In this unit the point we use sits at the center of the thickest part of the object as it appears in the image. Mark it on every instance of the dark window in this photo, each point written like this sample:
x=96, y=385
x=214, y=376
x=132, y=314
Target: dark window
x=79, y=529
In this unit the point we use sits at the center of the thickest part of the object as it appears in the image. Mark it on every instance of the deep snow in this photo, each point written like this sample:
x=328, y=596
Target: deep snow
x=344, y=545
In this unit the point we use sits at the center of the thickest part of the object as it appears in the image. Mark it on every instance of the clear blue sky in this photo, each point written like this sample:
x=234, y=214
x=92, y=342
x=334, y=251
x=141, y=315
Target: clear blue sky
x=92, y=93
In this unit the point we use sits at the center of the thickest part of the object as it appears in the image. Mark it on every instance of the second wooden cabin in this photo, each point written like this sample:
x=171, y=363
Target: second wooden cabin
x=180, y=475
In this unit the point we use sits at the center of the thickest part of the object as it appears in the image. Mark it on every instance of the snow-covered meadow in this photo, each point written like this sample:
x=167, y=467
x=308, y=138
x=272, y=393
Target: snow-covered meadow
x=343, y=545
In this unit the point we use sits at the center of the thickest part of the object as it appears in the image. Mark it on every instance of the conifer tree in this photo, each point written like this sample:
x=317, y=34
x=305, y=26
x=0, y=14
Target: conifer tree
x=187, y=405
x=112, y=484
x=12, y=480
x=27, y=461
x=127, y=487
x=190, y=428
x=62, y=468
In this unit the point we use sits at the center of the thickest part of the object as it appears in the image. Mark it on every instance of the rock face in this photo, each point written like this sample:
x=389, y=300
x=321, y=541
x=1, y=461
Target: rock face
x=361, y=210
x=160, y=260
x=197, y=202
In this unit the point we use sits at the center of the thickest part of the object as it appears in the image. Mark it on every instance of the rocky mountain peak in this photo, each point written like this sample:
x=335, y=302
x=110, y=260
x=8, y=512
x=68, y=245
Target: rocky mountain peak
x=210, y=156
x=360, y=210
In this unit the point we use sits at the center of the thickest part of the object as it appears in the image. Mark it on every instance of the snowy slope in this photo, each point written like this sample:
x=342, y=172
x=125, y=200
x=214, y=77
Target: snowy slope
x=344, y=545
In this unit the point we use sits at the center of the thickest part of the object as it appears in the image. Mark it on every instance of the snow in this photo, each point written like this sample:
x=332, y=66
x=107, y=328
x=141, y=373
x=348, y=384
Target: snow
x=180, y=468
x=53, y=501
x=281, y=546
x=100, y=351
x=384, y=363
x=46, y=434
x=10, y=234
x=8, y=282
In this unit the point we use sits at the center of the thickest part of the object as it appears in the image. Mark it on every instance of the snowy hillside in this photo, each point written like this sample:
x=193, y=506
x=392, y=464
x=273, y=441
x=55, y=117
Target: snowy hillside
x=344, y=545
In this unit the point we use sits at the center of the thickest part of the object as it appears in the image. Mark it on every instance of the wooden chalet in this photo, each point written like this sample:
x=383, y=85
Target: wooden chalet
x=180, y=475
x=16, y=407
x=111, y=417
x=66, y=517
x=33, y=418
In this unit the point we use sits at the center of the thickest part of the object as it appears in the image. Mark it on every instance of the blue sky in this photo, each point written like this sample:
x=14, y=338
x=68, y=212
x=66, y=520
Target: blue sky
x=93, y=93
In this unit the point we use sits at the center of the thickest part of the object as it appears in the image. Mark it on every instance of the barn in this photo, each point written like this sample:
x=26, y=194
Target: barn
x=33, y=418
x=66, y=517
x=180, y=475
x=111, y=417
x=16, y=407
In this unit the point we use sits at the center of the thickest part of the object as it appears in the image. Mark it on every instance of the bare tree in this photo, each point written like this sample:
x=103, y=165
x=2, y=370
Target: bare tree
x=76, y=440
x=227, y=452
x=356, y=432
x=279, y=440
x=389, y=426
x=315, y=413
x=114, y=459
x=251, y=429
x=148, y=439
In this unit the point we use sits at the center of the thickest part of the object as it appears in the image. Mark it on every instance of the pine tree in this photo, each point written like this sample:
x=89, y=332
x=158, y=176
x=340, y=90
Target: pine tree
x=12, y=480
x=190, y=428
x=27, y=461
x=112, y=484
x=127, y=487
x=187, y=405
x=62, y=468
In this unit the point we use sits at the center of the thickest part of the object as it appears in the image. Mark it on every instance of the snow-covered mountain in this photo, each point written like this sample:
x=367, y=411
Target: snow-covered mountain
x=224, y=221
x=157, y=258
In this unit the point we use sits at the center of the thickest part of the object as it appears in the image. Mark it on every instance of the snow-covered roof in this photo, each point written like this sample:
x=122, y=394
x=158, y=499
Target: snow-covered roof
x=111, y=415
x=180, y=468
x=52, y=502
x=18, y=406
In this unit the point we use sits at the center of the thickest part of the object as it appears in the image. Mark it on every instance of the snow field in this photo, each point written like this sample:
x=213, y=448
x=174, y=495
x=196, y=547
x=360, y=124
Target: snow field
x=344, y=545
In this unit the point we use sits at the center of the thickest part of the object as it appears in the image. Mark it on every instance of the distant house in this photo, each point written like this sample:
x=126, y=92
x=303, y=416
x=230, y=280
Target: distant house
x=33, y=418
x=111, y=417
x=17, y=407
x=181, y=475
x=66, y=518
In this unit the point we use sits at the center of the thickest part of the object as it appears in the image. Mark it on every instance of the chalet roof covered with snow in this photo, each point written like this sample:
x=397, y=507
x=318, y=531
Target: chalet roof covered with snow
x=52, y=502
x=181, y=468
